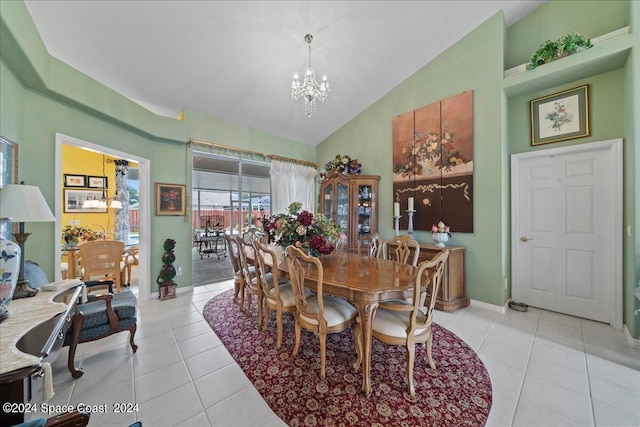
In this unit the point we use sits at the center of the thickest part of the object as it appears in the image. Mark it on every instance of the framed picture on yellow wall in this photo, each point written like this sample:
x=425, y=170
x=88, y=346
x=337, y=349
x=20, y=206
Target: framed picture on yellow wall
x=72, y=180
x=171, y=199
x=74, y=201
x=97, y=182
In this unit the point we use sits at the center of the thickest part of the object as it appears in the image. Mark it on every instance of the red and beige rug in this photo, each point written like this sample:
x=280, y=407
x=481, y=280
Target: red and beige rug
x=456, y=393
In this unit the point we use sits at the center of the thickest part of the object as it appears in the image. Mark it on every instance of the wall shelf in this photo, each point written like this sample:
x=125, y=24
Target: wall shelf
x=597, y=60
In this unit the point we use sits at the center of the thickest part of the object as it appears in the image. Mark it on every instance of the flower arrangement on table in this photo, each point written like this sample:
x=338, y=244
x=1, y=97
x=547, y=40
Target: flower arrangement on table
x=342, y=164
x=302, y=229
x=75, y=234
x=429, y=149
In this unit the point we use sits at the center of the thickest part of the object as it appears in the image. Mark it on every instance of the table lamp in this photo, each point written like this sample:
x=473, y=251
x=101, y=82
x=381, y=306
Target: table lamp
x=23, y=203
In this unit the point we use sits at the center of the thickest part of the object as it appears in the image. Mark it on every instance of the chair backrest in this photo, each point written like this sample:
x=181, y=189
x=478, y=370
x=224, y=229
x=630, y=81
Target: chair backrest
x=341, y=244
x=243, y=247
x=368, y=245
x=300, y=265
x=266, y=259
x=429, y=275
x=399, y=248
x=252, y=234
x=232, y=248
x=101, y=257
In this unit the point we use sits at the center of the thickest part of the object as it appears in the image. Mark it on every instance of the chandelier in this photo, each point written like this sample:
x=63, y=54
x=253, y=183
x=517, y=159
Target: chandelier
x=309, y=89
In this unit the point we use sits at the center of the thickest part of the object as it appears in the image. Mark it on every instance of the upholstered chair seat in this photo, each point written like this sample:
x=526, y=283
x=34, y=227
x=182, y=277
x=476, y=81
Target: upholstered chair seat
x=336, y=310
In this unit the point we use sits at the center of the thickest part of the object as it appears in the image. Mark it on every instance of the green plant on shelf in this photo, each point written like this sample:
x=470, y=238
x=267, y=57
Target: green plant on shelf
x=549, y=51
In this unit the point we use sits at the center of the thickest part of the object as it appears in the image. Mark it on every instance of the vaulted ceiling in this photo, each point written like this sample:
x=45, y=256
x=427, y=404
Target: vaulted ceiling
x=234, y=60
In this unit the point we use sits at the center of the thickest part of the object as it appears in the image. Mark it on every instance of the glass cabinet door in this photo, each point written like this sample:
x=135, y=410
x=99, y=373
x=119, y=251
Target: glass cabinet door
x=365, y=196
x=327, y=202
x=342, y=206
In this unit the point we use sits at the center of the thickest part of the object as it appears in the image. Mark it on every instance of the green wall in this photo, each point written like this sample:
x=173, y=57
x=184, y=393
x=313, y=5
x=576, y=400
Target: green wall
x=501, y=128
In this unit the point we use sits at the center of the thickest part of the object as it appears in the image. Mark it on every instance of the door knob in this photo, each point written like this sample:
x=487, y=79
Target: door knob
x=524, y=239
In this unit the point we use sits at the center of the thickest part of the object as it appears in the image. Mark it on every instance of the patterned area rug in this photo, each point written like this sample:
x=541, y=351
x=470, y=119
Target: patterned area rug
x=456, y=393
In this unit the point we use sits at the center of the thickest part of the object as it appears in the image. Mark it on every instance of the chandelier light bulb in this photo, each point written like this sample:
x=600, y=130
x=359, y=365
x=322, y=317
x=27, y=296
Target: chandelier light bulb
x=310, y=90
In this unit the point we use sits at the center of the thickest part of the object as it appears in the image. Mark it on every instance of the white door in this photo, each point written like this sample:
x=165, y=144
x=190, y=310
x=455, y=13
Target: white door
x=566, y=229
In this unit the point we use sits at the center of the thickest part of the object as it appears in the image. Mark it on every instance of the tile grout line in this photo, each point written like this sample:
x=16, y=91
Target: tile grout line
x=526, y=369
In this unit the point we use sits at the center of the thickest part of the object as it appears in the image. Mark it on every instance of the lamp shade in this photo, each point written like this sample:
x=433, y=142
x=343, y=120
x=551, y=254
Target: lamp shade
x=24, y=203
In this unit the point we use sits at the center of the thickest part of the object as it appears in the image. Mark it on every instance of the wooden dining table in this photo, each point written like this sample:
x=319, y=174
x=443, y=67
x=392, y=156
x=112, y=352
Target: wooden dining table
x=365, y=282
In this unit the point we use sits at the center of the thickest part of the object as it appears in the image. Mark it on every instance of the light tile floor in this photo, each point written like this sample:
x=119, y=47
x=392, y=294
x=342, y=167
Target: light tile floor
x=546, y=369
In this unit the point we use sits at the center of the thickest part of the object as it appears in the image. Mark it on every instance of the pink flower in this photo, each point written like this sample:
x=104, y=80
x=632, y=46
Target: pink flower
x=434, y=229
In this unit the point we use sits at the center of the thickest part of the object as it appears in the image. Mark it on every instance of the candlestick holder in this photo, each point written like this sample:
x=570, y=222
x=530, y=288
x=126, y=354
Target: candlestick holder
x=410, y=229
x=397, y=222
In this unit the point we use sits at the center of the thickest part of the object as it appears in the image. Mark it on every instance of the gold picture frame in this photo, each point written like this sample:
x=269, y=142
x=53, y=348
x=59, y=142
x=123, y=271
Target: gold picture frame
x=560, y=116
x=171, y=199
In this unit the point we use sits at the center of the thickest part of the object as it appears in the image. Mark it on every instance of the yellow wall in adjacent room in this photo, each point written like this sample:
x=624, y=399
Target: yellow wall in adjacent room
x=77, y=161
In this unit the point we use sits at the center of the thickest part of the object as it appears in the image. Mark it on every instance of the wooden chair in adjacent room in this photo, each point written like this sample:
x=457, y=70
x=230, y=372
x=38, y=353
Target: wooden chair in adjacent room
x=277, y=292
x=252, y=234
x=399, y=250
x=251, y=284
x=320, y=314
x=410, y=323
x=102, y=258
x=368, y=245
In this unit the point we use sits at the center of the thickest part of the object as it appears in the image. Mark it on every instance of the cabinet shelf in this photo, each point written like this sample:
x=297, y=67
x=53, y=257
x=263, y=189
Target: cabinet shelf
x=597, y=60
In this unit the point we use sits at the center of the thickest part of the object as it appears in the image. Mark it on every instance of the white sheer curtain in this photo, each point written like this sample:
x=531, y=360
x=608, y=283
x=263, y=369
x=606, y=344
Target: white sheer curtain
x=291, y=182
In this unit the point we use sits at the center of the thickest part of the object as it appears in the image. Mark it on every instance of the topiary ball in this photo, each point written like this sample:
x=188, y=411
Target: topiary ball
x=169, y=244
x=168, y=257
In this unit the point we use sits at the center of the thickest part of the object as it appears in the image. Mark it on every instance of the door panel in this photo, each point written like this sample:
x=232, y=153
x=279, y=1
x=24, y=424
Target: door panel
x=564, y=206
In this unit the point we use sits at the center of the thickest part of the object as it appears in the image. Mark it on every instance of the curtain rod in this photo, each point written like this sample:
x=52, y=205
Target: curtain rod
x=242, y=150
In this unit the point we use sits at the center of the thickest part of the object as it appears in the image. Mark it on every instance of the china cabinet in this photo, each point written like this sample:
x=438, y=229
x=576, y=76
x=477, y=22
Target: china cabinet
x=351, y=201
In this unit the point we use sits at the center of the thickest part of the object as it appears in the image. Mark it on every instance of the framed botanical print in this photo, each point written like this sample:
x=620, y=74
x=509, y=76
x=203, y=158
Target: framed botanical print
x=560, y=116
x=170, y=199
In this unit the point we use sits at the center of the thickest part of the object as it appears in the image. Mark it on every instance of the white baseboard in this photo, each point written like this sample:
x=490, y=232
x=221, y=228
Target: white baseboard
x=179, y=290
x=633, y=342
x=490, y=307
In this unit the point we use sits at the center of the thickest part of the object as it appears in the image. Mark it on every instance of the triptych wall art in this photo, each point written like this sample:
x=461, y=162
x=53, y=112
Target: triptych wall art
x=433, y=163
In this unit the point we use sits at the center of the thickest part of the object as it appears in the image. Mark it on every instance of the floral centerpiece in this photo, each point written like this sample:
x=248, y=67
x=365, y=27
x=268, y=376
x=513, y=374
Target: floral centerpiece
x=302, y=229
x=342, y=164
x=75, y=234
x=440, y=234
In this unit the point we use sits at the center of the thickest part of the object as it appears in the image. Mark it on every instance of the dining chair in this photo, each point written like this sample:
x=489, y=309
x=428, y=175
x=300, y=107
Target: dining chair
x=238, y=281
x=130, y=258
x=277, y=292
x=410, y=323
x=368, y=245
x=251, y=285
x=252, y=234
x=102, y=258
x=320, y=314
x=399, y=249
x=341, y=244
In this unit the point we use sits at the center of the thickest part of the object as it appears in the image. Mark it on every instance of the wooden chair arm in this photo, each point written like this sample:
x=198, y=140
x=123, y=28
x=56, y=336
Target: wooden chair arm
x=111, y=314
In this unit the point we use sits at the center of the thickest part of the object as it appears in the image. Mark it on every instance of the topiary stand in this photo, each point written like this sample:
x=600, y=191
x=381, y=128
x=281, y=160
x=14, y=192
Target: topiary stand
x=168, y=272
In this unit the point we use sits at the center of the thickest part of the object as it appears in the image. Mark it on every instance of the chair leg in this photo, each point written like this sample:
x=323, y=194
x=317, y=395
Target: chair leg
x=76, y=328
x=323, y=353
x=411, y=349
x=236, y=290
x=132, y=333
x=357, y=339
x=429, y=345
x=297, y=344
x=279, y=324
x=241, y=297
x=259, y=302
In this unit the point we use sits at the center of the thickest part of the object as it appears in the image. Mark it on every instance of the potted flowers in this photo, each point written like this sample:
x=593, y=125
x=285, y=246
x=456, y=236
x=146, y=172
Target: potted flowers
x=302, y=229
x=440, y=234
x=342, y=164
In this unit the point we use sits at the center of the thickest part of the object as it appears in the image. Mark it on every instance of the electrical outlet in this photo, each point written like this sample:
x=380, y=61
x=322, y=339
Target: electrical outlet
x=506, y=283
x=178, y=271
